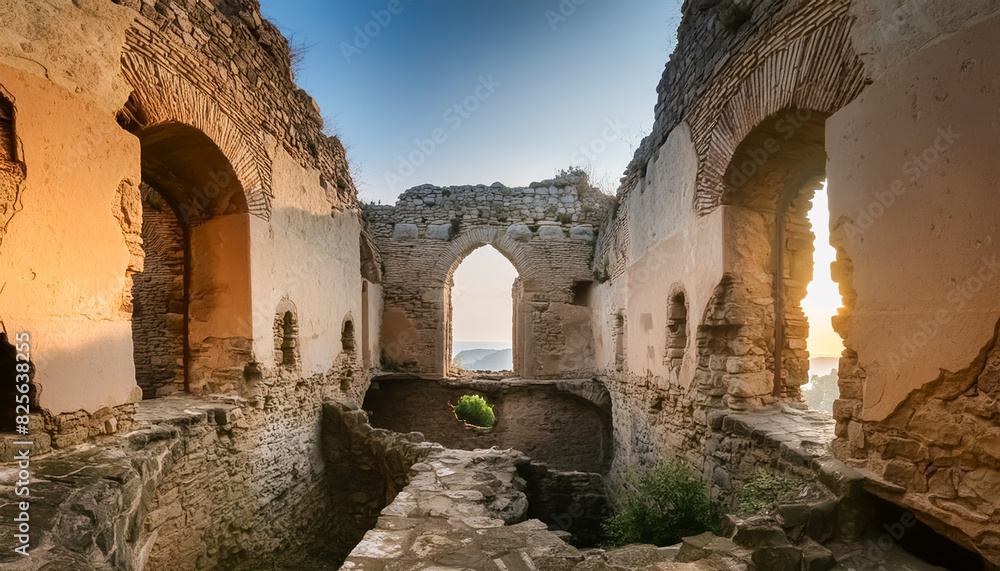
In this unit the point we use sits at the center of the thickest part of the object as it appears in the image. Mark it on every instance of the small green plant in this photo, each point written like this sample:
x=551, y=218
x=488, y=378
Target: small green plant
x=455, y=228
x=660, y=505
x=475, y=411
x=571, y=171
x=564, y=218
x=446, y=192
x=763, y=489
x=502, y=219
x=550, y=211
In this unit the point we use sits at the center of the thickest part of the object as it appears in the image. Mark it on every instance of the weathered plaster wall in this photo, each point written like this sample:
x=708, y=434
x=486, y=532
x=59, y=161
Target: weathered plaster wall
x=71, y=240
x=309, y=257
x=913, y=181
x=74, y=45
x=273, y=221
x=74, y=303
x=545, y=230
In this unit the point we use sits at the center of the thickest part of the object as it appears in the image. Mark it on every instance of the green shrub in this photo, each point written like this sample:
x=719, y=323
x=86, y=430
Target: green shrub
x=564, y=218
x=474, y=410
x=660, y=505
x=455, y=228
x=762, y=489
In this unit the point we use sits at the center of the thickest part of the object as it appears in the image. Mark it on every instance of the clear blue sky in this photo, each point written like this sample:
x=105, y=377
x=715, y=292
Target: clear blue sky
x=534, y=80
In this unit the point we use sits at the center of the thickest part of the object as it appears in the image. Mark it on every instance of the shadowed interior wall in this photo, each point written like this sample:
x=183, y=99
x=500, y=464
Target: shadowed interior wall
x=547, y=423
x=158, y=301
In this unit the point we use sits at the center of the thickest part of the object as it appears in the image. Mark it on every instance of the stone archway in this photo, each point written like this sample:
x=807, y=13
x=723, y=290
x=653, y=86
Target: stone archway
x=545, y=230
x=444, y=271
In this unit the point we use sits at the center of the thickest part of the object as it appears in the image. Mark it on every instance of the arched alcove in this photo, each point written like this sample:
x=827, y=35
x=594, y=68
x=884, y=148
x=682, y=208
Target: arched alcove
x=677, y=331
x=286, y=333
x=769, y=186
x=192, y=306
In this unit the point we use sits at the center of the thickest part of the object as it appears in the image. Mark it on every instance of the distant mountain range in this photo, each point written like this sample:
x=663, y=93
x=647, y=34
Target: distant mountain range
x=485, y=360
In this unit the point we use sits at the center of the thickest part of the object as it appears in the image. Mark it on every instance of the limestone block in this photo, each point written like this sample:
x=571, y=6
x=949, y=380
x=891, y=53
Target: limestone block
x=438, y=231
x=551, y=233
x=519, y=232
x=750, y=384
x=403, y=231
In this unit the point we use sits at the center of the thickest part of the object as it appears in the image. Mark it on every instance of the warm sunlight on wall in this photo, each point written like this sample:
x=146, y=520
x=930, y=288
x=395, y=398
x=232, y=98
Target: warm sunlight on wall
x=822, y=298
x=480, y=299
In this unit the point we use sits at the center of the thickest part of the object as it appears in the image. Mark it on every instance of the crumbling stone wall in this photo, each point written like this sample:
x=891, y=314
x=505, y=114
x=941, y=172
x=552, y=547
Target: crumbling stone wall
x=546, y=230
x=697, y=213
x=565, y=424
x=198, y=95
x=253, y=479
x=214, y=75
x=367, y=468
x=916, y=407
x=158, y=302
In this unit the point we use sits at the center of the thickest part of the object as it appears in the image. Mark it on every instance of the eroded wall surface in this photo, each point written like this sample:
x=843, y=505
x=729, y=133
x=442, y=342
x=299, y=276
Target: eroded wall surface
x=546, y=230
x=196, y=101
x=913, y=181
x=894, y=102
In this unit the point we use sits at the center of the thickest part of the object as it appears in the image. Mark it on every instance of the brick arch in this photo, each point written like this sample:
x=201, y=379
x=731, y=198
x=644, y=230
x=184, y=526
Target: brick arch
x=162, y=96
x=469, y=240
x=818, y=69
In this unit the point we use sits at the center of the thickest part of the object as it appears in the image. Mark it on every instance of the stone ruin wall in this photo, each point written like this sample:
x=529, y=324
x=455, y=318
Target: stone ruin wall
x=158, y=342
x=564, y=424
x=718, y=88
x=150, y=62
x=546, y=230
x=223, y=71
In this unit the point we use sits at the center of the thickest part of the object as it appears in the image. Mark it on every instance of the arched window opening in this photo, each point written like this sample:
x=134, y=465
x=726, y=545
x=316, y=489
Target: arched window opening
x=677, y=334
x=347, y=336
x=285, y=332
x=481, y=312
x=8, y=139
x=771, y=181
